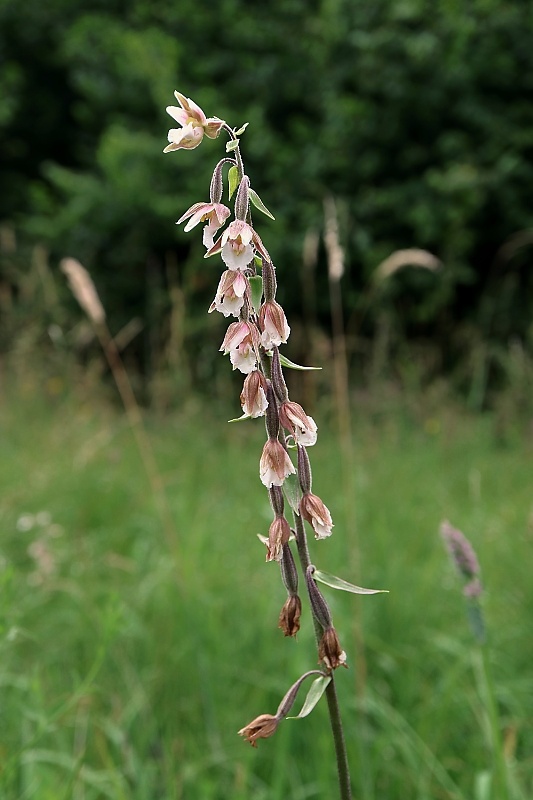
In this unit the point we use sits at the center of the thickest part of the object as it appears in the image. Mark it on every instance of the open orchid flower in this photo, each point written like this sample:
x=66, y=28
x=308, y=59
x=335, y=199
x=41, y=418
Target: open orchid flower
x=237, y=245
x=215, y=214
x=229, y=298
x=194, y=124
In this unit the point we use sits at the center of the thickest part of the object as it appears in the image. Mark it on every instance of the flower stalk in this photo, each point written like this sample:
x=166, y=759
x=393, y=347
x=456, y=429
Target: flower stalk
x=247, y=291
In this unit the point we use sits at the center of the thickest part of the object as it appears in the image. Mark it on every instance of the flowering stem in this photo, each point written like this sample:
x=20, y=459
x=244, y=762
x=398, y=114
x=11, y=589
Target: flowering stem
x=335, y=719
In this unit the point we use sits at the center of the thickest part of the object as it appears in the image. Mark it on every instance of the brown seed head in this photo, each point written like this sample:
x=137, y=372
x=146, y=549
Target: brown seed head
x=330, y=650
x=261, y=727
x=289, y=618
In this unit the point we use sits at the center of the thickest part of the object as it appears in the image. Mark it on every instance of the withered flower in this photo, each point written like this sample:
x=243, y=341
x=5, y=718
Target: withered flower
x=278, y=535
x=330, y=650
x=289, y=618
x=261, y=727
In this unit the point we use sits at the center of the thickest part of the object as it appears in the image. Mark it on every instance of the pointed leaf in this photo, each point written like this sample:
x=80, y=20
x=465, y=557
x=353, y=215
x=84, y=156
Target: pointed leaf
x=256, y=286
x=241, y=129
x=258, y=203
x=233, y=180
x=232, y=145
x=240, y=419
x=317, y=689
x=291, y=488
x=291, y=365
x=339, y=583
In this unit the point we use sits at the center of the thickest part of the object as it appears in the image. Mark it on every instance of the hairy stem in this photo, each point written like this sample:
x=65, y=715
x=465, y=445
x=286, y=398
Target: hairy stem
x=331, y=692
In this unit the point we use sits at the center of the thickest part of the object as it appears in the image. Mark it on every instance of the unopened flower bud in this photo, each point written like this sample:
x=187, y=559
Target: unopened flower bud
x=319, y=606
x=216, y=188
x=260, y=728
x=313, y=510
x=241, y=200
x=275, y=464
x=271, y=419
x=289, y=617
x=269, y=280
x=253, y=396
x=305, y=476
x=294, y=419
x=330, y=650
x=278, y=535
x=289, y=573
x=276, y=374
x=276, y=500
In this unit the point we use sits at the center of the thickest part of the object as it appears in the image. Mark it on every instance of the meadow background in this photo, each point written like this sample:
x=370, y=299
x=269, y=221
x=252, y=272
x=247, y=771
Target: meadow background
x=138, y=625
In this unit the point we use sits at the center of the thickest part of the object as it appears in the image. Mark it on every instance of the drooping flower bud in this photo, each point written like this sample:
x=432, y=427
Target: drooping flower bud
x=289, y=573
x=319, y=607
x=330, y=651
x=216, y=187
x=277, y=502
x=241, y=199
x=272, y=418
x=276, y=374
x=269, y=280
x=304, y=470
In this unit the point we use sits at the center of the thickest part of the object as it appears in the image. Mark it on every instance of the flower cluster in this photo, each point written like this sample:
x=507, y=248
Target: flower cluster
x=247, y=291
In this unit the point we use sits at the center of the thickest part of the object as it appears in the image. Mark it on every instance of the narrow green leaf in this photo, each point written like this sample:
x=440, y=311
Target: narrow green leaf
x=241, y=129
x=240, y=419
x=233, y=180
x=316, y=690
x=258, y=203
x=339, y=583
x=291, y=365
x=256, y=286
x=232, y=145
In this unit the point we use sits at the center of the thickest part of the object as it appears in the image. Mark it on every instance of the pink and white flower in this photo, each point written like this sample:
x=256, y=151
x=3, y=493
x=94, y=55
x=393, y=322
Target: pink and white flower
x=313, y=510
x=237, y=245
x=194, y=124
x=275, y=464
x=253, y=396
x=229, y=298
x=186, y=138
x=273, y=323
x=241, y=342
x=294, y=419
x=215, y=214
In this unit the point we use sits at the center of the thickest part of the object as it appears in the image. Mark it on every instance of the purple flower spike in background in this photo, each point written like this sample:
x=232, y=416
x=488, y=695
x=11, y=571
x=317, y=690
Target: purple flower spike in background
x=464, y=558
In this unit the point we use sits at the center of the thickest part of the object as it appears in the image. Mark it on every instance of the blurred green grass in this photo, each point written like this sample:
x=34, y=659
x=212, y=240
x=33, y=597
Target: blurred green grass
x=128, y=662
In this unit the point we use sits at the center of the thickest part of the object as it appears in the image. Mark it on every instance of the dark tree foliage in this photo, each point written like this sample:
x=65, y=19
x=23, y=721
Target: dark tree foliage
x=416, y=116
